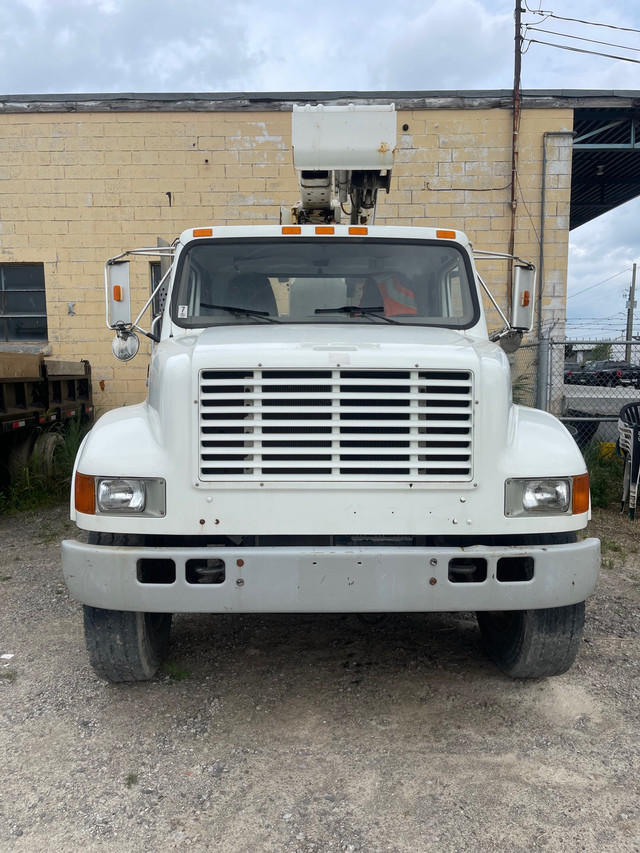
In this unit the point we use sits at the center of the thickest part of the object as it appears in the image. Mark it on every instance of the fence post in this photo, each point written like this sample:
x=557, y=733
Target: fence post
x=542, y=378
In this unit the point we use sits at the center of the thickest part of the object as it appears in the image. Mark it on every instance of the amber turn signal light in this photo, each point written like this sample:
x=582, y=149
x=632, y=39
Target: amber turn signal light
x=580, y=501
x=85, y=494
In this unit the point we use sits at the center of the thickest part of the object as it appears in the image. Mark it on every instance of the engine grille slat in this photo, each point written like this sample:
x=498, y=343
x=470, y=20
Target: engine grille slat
x=351, y=425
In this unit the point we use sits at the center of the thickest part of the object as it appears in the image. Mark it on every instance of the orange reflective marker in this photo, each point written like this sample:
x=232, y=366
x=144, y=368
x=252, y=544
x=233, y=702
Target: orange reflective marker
x=291, y=229
x=203, y=232
x=325, y=229
x=526, y=298
x=117, y=293
x=446, y=235
x=358, y=230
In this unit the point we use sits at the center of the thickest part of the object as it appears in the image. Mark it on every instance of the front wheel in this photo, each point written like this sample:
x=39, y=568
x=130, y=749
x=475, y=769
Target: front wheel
x=124, y=645
x=533, y=643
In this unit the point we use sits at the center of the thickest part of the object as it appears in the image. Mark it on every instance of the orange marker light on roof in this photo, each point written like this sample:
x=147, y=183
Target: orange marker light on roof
x=325, y=229
x=291, y=229
x=446, y=235
x=358, y=230
x=203, y=232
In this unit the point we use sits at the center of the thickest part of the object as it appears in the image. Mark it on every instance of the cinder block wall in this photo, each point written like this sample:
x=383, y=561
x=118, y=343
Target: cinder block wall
x=78, y=188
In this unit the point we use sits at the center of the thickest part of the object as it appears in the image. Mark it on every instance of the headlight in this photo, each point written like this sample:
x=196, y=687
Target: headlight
x=548, y=496
x=120, y=494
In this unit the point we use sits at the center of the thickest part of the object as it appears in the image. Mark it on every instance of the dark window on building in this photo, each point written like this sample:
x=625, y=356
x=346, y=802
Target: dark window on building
x=23, y=308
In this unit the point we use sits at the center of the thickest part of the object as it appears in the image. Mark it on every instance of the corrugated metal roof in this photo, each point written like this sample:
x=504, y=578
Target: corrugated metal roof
x=606, y=161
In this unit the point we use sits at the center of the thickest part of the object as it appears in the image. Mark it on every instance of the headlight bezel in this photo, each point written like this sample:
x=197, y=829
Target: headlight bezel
x=533, y=497
x=92, y=496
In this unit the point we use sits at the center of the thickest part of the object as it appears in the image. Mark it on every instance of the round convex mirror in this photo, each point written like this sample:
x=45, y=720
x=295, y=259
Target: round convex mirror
x=125, y=346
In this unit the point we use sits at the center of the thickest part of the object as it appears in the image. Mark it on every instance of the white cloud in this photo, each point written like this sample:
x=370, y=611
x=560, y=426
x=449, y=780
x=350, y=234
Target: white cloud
x=447, y=45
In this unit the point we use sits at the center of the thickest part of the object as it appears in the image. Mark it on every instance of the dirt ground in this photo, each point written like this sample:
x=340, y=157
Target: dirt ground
x=313, y=733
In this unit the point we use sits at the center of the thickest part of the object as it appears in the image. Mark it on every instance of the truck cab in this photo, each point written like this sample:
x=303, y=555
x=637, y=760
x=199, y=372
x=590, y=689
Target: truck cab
x=328, y=428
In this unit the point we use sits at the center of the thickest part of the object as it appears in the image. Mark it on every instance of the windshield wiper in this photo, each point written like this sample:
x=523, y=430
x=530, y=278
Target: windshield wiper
x=354, y=310
x=242, y=312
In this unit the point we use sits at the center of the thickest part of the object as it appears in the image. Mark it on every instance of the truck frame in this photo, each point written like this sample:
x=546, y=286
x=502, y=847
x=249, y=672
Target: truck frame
x=38, y=398
x=329, y=428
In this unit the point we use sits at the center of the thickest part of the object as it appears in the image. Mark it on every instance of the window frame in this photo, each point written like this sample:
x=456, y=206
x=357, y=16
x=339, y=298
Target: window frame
x=6, y=316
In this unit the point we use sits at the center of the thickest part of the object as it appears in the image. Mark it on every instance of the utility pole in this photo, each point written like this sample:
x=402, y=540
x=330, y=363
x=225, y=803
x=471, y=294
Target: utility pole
x=631, y=304
x=517, y=71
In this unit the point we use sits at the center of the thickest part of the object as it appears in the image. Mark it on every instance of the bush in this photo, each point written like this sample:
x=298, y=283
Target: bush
x=46, y=480
x=605, y=475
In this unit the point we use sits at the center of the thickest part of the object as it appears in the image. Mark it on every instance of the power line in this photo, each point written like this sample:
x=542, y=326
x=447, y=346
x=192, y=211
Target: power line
x=579, y=21
x=579, y=38
x=582, y=50
x=570, y=295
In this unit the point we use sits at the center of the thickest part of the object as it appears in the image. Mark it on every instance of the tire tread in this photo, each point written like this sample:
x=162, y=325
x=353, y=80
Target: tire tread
x=538, y=644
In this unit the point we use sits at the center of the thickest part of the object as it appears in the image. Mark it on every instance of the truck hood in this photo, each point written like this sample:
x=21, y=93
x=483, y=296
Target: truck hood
x=371, y=345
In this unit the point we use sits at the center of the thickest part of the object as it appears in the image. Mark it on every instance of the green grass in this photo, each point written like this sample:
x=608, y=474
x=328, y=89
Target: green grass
x=131, y=779
x=174, y=671
x=38, y=485
x=605, y=476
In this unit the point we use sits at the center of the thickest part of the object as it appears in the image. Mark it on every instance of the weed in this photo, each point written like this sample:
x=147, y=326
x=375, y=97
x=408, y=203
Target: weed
x=175, y=671
x=609, y=544
x=605, y=476
x=522, y=388
x=8, y=675
x=46, y=480
x=131, y=779
x=4, y=578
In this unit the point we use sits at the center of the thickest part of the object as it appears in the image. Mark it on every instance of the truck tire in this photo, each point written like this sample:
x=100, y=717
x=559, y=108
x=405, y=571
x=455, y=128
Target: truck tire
x=124, y=645
x=45, y=449
x=533, y=643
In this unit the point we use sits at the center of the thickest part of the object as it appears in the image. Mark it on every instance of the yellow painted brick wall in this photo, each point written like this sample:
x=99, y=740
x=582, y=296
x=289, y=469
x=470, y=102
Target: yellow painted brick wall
x=77, y=188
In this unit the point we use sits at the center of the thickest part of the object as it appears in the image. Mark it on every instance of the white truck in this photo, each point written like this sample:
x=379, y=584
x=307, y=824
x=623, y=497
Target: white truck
x=328, y=428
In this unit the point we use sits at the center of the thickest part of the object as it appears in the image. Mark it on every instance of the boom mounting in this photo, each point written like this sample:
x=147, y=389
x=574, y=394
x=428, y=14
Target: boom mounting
x=341, y=153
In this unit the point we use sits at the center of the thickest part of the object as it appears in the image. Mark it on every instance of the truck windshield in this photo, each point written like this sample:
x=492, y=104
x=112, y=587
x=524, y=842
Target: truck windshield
x=222, y=282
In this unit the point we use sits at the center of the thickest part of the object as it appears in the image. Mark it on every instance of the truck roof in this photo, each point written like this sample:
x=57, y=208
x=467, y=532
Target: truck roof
x=398, y=232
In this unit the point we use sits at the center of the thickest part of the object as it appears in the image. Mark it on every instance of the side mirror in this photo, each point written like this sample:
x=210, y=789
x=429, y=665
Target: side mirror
x=125, y=345
x=118, y=294
x=523, y=301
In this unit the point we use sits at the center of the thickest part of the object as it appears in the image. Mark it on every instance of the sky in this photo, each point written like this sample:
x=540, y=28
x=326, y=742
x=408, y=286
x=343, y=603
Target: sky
x=97, y=46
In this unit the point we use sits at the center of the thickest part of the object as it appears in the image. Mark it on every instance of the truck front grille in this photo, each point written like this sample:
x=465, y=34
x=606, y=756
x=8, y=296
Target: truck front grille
x=357, y=425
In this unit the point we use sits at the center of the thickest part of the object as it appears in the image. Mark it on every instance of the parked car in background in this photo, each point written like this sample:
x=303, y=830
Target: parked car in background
x=572, y=371
x=609, y=373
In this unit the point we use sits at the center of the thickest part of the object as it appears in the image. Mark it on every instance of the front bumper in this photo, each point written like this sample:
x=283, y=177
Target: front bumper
x=330, y=580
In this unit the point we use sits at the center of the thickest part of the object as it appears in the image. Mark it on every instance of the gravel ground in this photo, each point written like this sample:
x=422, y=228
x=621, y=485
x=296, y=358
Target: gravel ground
x=313, y=733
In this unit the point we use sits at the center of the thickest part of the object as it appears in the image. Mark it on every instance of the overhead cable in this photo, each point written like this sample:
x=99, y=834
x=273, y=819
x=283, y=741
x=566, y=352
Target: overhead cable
x=579, y=21
x=628, y=269
x=579, y=38
x=582, y=50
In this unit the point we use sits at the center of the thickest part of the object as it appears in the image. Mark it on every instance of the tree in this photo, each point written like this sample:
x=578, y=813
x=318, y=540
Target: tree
x=600, y=352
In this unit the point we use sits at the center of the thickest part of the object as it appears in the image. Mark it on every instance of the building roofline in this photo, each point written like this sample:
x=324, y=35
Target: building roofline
x=283, y=101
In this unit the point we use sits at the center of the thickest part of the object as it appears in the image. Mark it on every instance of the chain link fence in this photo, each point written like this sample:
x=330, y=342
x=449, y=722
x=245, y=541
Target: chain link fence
x=584, y=383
